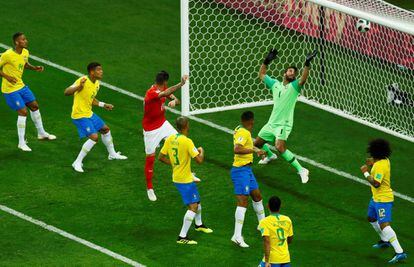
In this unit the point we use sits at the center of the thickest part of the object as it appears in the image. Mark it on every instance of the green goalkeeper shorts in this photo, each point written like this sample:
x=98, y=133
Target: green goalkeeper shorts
x=271, y=133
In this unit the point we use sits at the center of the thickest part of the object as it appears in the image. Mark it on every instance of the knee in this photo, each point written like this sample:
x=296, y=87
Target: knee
x=22, y=112
x=281, y=147
x=371, y=219
x=193, y=207
x=383, y=225
x=257, y=196
x=34, y=106
x=242, y=202
x=258, y=143
x=94, y=137
x=105, y=130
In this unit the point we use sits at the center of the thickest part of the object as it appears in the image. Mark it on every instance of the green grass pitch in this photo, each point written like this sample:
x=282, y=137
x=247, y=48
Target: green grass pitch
x=108, y=205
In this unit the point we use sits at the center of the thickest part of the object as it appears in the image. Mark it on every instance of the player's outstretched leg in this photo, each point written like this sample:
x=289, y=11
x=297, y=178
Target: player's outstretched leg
x=239, y=215
x=21, y=129
x=37, y=120
x=391, y=236
x=108, y=142
x=290, y=157
x=383, y=242
x=86, y=148
x=257, y=202
x=187, y=221
x=149, y=172
x=199, y=226
x=261, y=143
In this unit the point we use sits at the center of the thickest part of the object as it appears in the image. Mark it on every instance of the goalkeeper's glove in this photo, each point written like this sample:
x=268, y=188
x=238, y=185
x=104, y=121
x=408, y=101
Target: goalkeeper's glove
x=270, y=57
x=310, y=57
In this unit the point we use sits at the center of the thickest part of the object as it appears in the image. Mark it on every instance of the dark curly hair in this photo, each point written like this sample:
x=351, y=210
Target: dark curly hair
x=379, y=149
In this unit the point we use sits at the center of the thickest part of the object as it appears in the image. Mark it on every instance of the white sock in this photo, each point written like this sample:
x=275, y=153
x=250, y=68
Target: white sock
x=390, y=235
x=258, y=208
x=187, y=221
x=239, y=220
x=37, y=119
x=377, y=229
x=107, y=140
x=198, y=221
x=87, y=146
x=21, y=128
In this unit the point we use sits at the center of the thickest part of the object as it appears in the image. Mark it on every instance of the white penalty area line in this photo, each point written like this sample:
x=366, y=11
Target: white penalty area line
x=214, y=125
x=70, y=236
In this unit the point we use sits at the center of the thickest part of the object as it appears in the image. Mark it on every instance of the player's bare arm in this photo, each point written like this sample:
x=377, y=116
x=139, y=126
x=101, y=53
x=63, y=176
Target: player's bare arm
x=75, y=88
x=164, y=159
x=306, y=70
x=238, y=149
x=101, y=104
x=10, y=79
x=167, y=92
x=200, y=157
x=290, y=239
x=269, y=58
x=35, y=68
x=266, y=246
x=364, y=170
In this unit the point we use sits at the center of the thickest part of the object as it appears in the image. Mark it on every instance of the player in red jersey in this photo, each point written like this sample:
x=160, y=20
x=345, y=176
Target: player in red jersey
x=156, y=127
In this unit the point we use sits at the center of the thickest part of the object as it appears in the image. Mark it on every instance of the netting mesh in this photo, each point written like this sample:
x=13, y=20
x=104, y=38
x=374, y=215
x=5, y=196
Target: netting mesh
x=366, y=75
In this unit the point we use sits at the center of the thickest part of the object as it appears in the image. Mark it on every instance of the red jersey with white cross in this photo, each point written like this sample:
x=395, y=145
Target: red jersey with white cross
x=154, y=111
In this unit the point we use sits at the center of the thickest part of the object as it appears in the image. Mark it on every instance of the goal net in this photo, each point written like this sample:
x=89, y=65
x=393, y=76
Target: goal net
x=367, y=77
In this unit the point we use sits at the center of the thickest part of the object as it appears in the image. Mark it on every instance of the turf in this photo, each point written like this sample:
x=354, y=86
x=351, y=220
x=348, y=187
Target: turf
x=107, y=205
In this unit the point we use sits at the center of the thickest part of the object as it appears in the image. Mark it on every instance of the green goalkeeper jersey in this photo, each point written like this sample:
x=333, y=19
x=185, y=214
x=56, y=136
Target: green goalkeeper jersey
x=284, y=101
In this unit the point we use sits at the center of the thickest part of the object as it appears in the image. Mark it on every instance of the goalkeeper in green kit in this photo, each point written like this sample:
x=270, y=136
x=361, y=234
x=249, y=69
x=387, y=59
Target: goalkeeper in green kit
x=279, y=126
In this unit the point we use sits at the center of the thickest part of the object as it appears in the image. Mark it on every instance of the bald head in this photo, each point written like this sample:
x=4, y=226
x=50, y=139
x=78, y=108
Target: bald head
x=181, y=123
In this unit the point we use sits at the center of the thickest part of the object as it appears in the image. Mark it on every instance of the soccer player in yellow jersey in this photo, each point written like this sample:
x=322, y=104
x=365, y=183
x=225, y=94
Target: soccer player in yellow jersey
x=178, y=150
x=88, y=123
x=380, y=205
x=245, y=184
x=18, y=95
x=277, y=232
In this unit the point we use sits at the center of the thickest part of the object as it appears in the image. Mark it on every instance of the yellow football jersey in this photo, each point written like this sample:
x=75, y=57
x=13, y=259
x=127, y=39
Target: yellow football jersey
x=242, y=137
x=180, y=149
x=82, y=101
x=381, y=172
x=13, y=64
x=278, y=228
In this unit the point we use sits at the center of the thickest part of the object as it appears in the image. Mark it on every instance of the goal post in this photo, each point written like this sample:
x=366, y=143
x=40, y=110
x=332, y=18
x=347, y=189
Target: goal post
x=365, y=77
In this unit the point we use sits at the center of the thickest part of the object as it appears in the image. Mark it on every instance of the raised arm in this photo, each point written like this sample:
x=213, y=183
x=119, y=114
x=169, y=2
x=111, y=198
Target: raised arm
x=268, y=59
x=74, y=88
x=371, y=180
x=167, y=92
x=305, y=73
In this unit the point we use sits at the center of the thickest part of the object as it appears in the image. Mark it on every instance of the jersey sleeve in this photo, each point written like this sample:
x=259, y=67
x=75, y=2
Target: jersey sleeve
x=192, y=150
x=27, y=56
x=297, y=86
x=3, y=60
x=269, y=82
x=77, y=82
x=290, y=229
x=379, y=172
x=164, y=149
x=264, y=230
x=240, y=137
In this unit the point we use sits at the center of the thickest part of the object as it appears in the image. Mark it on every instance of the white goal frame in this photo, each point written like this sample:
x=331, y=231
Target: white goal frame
x=399, y=25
